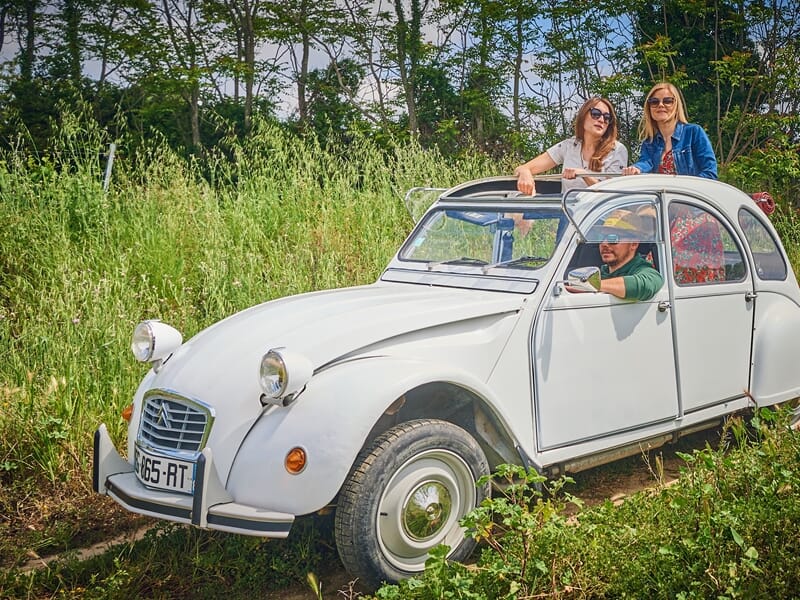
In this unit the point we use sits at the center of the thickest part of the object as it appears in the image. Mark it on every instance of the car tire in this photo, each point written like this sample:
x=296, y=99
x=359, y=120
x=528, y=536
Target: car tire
x=406, y=494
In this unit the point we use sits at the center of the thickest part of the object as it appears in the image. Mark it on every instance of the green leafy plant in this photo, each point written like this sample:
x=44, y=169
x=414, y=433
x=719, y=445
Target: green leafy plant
x=724, y=530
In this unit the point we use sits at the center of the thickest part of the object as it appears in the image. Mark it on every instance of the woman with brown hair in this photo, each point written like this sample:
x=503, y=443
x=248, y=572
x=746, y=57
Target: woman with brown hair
x=670, y=144
x=593, y=149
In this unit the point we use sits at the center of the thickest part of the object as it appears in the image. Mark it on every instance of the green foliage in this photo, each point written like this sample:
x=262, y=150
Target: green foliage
x=724, y=530
x=774, y=168
x=173, y=561
x=79, y=267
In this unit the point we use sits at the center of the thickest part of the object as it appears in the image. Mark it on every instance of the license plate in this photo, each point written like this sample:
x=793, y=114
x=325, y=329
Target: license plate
x=164, y=473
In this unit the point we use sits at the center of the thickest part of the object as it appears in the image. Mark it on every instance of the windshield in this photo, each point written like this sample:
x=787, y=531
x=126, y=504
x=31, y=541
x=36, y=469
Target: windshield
x=523, y=239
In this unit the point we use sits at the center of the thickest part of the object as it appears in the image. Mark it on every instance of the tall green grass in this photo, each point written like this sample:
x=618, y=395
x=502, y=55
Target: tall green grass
x=186, y=243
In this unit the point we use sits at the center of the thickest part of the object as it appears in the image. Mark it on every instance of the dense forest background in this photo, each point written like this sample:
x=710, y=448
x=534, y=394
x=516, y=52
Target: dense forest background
x=502, y=77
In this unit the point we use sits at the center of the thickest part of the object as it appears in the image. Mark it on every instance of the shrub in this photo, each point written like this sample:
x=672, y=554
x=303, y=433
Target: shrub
x=727, y=529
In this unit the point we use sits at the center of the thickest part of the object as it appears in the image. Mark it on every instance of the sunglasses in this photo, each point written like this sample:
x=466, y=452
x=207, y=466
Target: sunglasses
x=596, y=113
x=611, y=238
x=668, y=101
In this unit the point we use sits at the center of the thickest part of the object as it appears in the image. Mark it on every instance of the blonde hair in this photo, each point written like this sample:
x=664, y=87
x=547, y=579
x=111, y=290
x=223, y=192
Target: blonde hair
x=607, y=141
x=648, y=127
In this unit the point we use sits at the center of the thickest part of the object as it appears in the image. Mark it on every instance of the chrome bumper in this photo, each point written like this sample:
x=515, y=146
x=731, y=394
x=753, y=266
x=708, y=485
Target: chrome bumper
x=210, y=507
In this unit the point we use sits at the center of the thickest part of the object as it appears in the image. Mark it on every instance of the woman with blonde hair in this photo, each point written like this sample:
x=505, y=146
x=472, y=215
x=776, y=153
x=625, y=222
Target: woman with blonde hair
x=593, y=149
x=670, y=144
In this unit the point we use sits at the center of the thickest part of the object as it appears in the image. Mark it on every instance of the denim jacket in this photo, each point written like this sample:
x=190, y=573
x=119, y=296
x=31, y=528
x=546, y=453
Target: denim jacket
x=691, y=150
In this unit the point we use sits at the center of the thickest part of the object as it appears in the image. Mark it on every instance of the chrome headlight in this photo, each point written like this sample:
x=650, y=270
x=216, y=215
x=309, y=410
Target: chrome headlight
x=154, y=341
x=283, y=374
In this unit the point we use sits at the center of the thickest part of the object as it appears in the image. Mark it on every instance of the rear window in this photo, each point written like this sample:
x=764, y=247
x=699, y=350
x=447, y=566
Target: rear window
x=766, y=254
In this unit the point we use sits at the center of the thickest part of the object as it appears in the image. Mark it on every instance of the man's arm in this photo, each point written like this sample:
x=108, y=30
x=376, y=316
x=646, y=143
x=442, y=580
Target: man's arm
x=639, y=286
x=614, y=286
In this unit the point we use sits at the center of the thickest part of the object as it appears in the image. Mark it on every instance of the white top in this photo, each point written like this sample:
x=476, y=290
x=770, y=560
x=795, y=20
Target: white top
x=568, y=154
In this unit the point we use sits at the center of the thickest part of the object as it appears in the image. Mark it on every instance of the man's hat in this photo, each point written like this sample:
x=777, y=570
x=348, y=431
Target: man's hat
x=621, y=225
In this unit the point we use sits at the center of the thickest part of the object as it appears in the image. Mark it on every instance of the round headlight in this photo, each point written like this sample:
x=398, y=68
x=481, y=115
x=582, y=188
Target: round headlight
x=143, y=342
x=154, y=340
x=283, y=376
x=273, y=374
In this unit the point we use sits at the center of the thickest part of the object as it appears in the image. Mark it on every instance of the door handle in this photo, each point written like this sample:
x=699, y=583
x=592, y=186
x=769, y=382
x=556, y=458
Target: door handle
x=750, y=296
x=663, y=306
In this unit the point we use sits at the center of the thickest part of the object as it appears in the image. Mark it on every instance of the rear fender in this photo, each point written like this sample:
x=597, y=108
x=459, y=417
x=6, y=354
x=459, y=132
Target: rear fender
x=776, y=345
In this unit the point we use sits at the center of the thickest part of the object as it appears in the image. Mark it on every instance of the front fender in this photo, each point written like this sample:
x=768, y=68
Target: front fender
x=330, y=421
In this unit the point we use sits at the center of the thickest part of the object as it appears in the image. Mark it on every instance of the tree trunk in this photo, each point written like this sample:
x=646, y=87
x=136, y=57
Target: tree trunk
x=72, y=23
x=249, y=42
x=28, y=51
x=302, y=101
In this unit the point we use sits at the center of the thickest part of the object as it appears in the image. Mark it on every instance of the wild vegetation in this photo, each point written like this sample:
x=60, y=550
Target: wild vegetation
x=505, y=77
x=80, y=266
x=192, y=242
x=720, y=532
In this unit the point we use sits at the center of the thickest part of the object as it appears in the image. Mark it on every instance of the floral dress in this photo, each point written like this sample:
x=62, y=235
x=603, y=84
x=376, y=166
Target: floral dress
x=698, y=254
x=667, y=166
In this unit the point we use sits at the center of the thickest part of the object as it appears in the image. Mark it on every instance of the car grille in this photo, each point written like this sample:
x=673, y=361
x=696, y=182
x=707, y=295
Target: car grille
x=174, y=423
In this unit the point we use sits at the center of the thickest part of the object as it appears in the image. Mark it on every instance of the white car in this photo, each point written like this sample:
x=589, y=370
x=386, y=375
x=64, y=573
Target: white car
x=388, y=401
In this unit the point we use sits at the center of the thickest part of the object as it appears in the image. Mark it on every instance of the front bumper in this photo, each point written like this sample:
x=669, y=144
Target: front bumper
x=210, y=507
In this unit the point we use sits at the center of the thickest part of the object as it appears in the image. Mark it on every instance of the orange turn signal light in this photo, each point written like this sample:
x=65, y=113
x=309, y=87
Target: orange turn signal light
x=127, y=412
x=295, y=460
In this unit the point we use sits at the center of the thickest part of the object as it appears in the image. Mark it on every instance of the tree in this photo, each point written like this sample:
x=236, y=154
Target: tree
x=736, y=63
x=244, y=25
x=329, y=111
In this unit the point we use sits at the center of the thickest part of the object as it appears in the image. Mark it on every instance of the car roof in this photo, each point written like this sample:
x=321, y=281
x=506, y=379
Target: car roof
x=723, y=196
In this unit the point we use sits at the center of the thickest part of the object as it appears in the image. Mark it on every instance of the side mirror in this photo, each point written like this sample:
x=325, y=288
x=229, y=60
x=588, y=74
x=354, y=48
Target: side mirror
x=586, y=279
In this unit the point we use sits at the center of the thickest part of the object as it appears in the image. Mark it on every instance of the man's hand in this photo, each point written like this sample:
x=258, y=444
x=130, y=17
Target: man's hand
x=584, y=279
x=580, y=287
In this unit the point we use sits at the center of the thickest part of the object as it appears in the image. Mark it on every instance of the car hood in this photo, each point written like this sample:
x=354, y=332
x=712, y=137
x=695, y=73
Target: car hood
x=219, y=367
x=323, y=326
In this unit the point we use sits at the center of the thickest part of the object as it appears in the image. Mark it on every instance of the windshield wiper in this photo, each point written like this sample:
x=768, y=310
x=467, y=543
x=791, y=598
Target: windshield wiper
x=516, y=261
x=464, y=260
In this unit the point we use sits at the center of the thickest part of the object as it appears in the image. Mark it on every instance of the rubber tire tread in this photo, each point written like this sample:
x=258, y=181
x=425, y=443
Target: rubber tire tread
x=361, y=557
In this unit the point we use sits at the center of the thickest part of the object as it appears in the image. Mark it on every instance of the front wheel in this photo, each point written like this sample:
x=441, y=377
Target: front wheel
x=405, y=495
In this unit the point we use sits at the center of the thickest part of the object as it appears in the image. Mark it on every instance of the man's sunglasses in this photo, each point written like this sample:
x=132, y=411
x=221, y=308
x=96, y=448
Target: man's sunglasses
x=668, y=101
x=596, y=113
x=610, y=238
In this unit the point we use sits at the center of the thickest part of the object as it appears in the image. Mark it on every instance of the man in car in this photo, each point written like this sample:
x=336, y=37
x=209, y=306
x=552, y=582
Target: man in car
x=625, y=273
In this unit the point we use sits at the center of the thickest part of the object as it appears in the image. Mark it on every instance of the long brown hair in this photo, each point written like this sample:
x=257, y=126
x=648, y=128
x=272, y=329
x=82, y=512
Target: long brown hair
x=607, y=141
x=648, y=127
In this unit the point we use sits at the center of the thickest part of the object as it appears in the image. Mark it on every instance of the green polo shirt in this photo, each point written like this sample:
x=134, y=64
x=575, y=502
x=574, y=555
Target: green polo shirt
x=642, y=281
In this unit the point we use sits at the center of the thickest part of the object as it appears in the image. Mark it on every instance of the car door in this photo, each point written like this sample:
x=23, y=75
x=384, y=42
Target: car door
x=602, y=365
x=713, y=305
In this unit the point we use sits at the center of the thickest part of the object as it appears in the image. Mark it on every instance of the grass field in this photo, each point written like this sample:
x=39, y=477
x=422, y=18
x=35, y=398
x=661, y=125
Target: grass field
x=189, y=244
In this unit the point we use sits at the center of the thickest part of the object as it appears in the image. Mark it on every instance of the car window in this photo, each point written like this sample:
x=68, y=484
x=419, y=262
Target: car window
x=635, y=221
x=524, y=239
x=766, y=255
x=703, y=250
